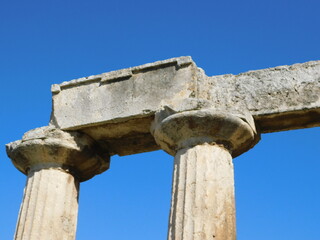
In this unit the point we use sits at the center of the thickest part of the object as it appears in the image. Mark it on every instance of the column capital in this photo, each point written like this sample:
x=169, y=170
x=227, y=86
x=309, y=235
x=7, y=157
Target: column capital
x=176, y=130
x=49, y=147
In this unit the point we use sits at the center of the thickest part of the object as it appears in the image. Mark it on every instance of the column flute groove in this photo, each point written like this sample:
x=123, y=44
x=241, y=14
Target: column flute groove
x=203, y=143
x=55, y=162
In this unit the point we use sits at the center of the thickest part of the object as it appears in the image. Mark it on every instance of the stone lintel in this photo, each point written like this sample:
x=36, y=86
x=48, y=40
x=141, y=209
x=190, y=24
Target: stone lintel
x=122, y=95
x=117, y=108
x=279, y=98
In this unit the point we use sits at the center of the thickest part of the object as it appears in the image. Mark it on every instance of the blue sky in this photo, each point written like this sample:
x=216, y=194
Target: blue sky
x=46, y=42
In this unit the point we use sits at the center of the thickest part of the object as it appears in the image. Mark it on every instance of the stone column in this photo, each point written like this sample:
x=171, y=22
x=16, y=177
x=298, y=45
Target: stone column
x=55, y=162
x=203, y=143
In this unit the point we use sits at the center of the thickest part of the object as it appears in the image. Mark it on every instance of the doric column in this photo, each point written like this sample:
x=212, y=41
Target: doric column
x=55, y=162
x=203, y=143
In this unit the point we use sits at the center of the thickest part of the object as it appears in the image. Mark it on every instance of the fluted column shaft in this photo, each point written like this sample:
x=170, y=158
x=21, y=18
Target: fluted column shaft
x=202, y=205
x=203, y=143
x=50, y=206
x=55, y=161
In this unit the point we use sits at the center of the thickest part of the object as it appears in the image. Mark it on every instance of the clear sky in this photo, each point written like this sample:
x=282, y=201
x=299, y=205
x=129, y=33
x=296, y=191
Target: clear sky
x=46, y=42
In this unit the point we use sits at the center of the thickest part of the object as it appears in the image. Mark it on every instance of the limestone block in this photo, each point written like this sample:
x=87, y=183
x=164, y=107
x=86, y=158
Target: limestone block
x=117, y=108
x=279, y=98
x=123, y=94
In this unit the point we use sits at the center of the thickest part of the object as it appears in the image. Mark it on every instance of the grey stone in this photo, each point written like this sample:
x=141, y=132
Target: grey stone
x=116, y=109
x=280, y=98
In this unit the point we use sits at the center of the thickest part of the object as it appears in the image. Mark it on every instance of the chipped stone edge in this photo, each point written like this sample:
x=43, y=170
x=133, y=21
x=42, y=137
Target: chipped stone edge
x=123, y=73
x=296, y=66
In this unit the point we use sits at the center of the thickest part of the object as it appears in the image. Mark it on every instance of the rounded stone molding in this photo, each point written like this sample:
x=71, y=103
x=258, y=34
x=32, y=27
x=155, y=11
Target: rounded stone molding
x=49, y=147
x=176, y=130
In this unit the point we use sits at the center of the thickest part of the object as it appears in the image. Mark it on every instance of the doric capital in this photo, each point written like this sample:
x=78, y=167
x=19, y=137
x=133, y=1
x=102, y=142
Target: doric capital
x=177, y=130
x=49, y=147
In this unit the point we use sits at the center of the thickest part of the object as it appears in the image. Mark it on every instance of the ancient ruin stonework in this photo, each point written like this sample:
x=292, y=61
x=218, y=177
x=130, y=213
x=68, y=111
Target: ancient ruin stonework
x=172, y=105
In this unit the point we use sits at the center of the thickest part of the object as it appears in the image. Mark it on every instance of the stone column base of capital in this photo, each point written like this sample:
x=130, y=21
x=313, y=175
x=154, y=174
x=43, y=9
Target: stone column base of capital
x=203, y=143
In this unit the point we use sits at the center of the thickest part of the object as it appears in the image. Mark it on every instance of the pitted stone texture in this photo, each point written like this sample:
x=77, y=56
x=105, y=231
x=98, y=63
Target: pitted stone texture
x=173, y=131
x=279, y=98
x=50, y=206
x=48, y=147
x=202, y=205
x=117, y=108
x=122, y=94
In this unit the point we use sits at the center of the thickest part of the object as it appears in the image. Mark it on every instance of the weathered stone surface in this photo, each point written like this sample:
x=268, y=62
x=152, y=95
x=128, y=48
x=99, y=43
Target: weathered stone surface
x=202, y=205
x=202, y=141
x=124, y=94
x=55, y=161
x=280, y=98
x=176, y=130
x=48, y=147
x=117, y=108
x=50, y=206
